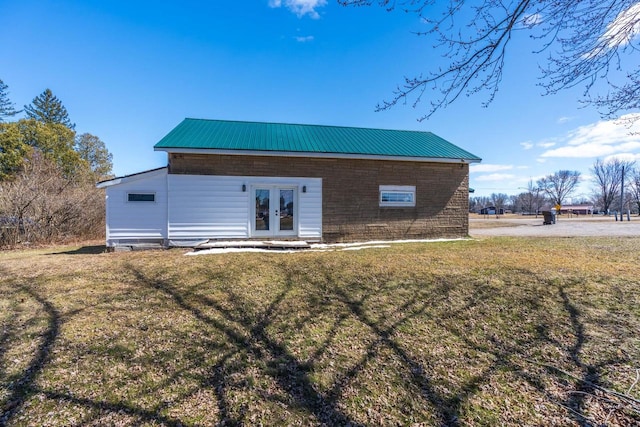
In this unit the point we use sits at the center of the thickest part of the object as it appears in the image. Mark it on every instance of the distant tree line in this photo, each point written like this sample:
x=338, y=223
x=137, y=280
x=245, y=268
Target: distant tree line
x=48, y=174
x=615, y=188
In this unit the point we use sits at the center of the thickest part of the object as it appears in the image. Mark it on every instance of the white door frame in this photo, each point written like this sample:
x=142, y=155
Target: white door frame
x=274, y=211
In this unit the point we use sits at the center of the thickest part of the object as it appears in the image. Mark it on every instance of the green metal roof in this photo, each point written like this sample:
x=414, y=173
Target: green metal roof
x=223, y=135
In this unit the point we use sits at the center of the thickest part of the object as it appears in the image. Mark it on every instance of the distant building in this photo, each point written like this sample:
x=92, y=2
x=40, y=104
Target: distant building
x=577, y=209
x=492, y=210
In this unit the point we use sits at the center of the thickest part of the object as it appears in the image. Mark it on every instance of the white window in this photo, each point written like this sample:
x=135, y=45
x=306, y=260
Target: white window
x=141, y=197
x=397, y=195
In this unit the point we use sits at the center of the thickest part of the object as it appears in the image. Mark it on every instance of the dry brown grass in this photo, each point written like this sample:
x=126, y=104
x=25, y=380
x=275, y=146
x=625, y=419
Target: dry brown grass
x=477, y=221
x=497, y=331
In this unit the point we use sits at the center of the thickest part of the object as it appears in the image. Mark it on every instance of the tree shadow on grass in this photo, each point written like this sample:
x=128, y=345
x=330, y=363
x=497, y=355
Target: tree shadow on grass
x=20, y=388
x=247, y=332
x=590, y=373
x=249, y=335
x=507, y=354
x=384, y=332
x=446, y=405
x=253, y=344
x=247, y=329
x=515, y=357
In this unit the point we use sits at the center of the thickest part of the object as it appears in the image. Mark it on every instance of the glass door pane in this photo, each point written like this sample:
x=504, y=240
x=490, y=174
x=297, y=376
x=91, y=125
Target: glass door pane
x=287, y=210
x=262, y=209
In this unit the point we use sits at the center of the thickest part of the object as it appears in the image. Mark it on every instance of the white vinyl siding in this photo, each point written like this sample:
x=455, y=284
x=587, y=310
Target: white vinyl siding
x=188, y=209
x=137, y=221
x=207, y=207
x=310, y=210
x=216, y=207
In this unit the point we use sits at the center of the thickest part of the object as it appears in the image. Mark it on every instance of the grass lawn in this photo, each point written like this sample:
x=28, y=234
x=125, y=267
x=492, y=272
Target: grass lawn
x=497, y=331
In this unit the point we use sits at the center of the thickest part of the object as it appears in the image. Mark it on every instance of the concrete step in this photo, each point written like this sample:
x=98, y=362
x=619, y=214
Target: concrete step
x=261, y=244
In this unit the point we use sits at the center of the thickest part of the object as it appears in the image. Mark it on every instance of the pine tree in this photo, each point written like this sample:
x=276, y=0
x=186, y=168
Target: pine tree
x=6, y=106
x=47, y=108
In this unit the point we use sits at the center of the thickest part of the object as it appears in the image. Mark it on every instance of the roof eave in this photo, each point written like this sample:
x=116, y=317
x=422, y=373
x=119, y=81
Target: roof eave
x=317, y=155
x=127, y=178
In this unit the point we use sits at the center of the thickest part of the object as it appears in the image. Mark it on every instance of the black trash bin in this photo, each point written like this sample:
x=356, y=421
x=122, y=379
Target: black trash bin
x=548, y=218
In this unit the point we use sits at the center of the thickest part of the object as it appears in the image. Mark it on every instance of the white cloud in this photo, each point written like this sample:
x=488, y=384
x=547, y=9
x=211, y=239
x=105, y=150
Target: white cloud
x=304, y=39
x=489, y=167
x=496, y=177
x=526, y=145
x=624, y=28
x=593, y=149
x=546, y=144
x=300, y=7
x=600, y=139
x=627, y=157
x=564, y=119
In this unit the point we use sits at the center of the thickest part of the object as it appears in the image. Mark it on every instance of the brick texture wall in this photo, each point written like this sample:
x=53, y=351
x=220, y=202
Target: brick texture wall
x=350, y=187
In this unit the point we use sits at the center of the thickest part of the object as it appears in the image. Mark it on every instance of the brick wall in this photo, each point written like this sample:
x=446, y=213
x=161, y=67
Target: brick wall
x=350, y=192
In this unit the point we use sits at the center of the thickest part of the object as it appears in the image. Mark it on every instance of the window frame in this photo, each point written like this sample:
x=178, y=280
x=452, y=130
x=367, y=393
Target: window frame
x=397, y=189
x=141, y=193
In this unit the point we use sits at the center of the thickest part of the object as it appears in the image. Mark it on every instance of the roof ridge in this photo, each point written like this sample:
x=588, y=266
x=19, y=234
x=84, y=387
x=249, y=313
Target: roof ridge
x=309, y=125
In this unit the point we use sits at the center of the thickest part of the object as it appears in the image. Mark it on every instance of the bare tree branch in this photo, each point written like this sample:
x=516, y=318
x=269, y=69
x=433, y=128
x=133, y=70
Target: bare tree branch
x=607, y=178
x=559, y=185
x=586, y=41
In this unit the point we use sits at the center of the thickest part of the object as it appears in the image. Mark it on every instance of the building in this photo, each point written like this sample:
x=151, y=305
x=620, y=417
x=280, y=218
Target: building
x=492, y=210
x=576, y=210
x=228, y=180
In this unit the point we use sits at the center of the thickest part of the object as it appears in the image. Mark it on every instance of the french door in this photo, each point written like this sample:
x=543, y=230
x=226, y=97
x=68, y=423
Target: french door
x=275, y=211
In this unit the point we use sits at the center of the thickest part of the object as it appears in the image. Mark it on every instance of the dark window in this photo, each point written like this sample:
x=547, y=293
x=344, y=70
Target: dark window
x=141, y=197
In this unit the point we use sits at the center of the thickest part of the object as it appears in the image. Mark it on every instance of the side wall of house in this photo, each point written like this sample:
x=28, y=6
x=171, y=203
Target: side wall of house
x=137, y=221
x=350, y=192
x=203, y=207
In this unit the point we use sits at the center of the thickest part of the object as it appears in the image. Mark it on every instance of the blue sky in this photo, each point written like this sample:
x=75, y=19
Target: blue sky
x=129, y=72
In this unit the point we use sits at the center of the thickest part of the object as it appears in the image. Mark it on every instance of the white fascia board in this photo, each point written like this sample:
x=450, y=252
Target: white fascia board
x=132, y=177
x=111, y=182
x=314, y=155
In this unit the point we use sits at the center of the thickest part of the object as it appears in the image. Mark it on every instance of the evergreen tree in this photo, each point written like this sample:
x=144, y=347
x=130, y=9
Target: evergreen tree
x=47, y=108
x=13, y=150
x=56, y=142
x=6, y=106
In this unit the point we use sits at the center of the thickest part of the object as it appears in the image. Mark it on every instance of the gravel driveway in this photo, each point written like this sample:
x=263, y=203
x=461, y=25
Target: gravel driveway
x=564, y=227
